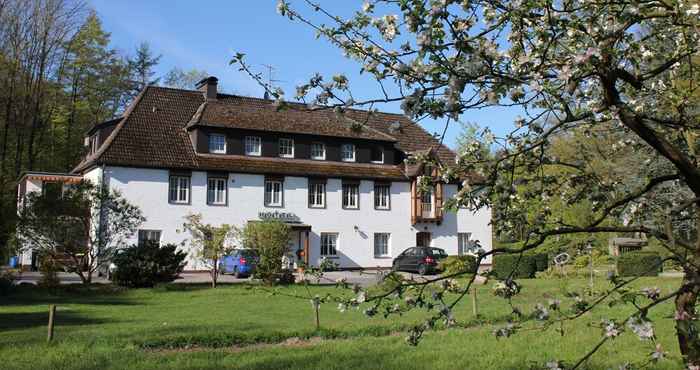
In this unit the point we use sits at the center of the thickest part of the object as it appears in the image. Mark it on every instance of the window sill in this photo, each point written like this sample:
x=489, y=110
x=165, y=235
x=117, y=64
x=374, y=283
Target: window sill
x=318, y=207
x=318, y=158
x=253, y=154
x=348, y=160
x=274, y=206
x=382, y=257
x=351, y=209
x=287, y=156
x=382, y=208
x=330, y=257
x=217, y=204
x=211, y=152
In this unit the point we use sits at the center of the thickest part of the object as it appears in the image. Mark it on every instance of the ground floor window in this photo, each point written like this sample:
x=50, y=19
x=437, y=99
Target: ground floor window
x=329, y=244
x=149, y=236
x=381, y=244
x=464, y=243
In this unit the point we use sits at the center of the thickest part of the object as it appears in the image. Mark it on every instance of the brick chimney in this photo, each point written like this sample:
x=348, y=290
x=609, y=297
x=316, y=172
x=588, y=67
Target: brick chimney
x=208, y=87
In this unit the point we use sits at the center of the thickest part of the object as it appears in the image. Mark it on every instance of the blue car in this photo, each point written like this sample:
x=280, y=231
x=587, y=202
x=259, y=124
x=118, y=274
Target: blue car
x=240, y=263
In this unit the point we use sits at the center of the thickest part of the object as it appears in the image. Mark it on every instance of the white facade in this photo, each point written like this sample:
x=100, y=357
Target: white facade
x=148, y=189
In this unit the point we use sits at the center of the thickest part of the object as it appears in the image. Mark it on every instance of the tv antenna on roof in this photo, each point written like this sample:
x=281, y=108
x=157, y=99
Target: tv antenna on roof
x=269, y=84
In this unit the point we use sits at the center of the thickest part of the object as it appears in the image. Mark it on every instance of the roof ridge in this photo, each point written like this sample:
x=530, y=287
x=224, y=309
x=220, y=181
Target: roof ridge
x=108, y=142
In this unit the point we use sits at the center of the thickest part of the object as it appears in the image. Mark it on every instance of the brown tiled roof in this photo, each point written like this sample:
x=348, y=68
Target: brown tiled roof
x=259, y=114
x=153, y=133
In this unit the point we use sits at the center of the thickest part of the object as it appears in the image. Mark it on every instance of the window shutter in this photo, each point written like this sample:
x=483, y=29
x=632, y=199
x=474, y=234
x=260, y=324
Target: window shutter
x=438, y=200
x=414, y=203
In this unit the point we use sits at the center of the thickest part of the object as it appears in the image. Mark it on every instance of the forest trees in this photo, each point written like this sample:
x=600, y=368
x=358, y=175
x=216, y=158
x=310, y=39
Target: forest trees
x=615, y=71
x=58, y=77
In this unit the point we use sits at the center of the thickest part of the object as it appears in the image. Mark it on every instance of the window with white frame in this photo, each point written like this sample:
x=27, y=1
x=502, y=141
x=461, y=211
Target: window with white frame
x=317, y=195
x=216, y=190
x=179, y=191
x=377, y=155
x=381, y=244
x=351, y=196
x=252, y=145
x=329, y=244
x=382, y=196
x=465, y=244
x=149, y=236
x=287, y=148
x=318, y=151
x=273, y=193
x=217, y=143
x=347, y=152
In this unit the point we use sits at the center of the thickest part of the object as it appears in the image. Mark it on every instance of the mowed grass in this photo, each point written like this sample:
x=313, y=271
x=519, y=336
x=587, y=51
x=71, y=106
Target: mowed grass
x=195, y=327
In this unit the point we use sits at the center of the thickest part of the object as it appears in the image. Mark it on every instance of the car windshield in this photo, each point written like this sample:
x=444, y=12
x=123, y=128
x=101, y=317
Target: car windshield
x=438, y=252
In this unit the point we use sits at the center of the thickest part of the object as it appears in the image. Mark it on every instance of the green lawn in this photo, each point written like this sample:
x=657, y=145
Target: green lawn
x=194, y=327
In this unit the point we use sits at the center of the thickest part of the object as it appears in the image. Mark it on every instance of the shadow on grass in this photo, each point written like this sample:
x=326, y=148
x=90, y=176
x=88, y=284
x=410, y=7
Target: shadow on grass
x=26, y=320
x=96, y=294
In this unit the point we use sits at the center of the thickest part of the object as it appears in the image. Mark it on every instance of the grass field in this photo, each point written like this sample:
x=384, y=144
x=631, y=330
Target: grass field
x=195, y=327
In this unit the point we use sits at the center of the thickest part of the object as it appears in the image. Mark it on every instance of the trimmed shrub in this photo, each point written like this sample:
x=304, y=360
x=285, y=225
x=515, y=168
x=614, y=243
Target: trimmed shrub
x=639, y=264
x=147, y=265
x=455, y=264
x=525, y=266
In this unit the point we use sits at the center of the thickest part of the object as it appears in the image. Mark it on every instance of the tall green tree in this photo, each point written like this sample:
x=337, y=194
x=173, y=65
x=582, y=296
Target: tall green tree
x=141, y=66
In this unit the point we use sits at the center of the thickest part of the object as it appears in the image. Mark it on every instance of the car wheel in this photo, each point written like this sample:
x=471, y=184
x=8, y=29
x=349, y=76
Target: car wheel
x=236, y=273
x=422, y=270
x=395, y=267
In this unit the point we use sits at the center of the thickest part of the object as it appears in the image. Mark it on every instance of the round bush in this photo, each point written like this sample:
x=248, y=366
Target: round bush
x=144, y=266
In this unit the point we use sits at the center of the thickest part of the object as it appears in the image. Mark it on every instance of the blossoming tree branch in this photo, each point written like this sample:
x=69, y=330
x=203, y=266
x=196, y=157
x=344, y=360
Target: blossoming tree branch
x=618, y=73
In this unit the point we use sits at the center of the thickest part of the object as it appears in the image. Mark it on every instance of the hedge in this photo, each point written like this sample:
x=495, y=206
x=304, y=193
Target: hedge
x=527, y=265
x=639, y=264
x=455, y=264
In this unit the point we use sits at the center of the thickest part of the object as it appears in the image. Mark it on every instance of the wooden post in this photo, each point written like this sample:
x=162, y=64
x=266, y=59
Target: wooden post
x=474, y=306
x=52, y=315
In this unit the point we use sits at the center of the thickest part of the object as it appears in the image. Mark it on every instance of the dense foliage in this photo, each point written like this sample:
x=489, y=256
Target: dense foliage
x=82, y=225
x=519, y=266
x=639, y=264
x=458, y=264
x=148, y=264
x=271, y=240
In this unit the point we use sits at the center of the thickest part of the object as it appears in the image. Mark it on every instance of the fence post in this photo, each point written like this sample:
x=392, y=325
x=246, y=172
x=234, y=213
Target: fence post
x=52, y=315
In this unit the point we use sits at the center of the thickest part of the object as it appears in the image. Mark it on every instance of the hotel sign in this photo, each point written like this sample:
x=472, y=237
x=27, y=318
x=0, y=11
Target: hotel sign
x=279, y=216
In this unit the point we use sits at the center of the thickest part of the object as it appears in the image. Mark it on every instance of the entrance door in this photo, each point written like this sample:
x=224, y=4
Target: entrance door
x=423, y=239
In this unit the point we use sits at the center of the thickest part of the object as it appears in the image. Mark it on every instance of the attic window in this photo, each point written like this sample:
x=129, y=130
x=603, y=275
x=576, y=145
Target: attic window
x=347, y=152
x=377, y=155
x=217, y=143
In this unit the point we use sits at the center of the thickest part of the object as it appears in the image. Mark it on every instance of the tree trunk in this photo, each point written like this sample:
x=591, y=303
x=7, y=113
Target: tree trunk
x=686, y=329
x=214, y=273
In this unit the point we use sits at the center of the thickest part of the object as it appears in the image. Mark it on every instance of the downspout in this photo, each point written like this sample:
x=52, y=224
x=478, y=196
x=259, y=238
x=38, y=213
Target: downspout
x=100, y=217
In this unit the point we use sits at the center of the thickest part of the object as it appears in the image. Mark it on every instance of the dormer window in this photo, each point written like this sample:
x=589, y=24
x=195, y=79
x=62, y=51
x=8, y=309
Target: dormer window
x=377, y=155
x=287, y=148
x=252, y=145
x=347, y=153
x=217, y=143
x=318, y=151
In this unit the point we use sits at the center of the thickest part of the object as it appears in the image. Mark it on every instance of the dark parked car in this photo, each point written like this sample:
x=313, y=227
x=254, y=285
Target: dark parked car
x=240, y=263
x=423, y=260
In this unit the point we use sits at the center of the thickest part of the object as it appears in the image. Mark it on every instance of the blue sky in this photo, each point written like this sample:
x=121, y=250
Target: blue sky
x=204, y=35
